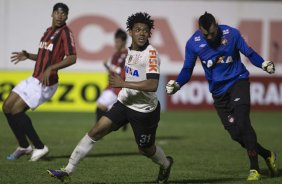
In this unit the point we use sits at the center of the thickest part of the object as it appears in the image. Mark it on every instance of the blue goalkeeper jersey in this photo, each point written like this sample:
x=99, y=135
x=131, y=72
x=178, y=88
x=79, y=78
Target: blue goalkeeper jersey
x=222, y=65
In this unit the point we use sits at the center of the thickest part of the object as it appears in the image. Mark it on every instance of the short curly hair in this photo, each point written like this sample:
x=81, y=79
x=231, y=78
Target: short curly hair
x=140, y=17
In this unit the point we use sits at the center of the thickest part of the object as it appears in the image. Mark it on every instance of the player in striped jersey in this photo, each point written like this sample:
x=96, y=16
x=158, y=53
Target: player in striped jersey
x=56, y=51
x=137, y=102
x=114, y=65
x=218, y=47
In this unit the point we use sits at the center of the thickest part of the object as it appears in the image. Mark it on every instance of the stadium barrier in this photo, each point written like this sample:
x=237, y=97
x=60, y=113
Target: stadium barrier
x=266, y=94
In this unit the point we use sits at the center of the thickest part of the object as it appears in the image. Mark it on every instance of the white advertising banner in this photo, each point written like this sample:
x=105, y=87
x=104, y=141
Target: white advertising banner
x=93, y=22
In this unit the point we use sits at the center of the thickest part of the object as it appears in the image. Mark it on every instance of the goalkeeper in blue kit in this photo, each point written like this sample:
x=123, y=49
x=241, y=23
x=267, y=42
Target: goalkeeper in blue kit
x=218, y=47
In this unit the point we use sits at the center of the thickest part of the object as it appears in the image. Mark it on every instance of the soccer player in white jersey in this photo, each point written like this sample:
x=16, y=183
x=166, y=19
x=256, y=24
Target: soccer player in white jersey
x=137, y=103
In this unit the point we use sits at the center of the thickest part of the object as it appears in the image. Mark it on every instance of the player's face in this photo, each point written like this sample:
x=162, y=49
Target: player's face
x=119, y=44
x=212, y=35
x=59, y=18
x=140, y=34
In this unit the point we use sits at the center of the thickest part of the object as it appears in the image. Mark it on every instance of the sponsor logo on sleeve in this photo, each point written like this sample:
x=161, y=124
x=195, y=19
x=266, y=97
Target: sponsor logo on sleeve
x=153, y=61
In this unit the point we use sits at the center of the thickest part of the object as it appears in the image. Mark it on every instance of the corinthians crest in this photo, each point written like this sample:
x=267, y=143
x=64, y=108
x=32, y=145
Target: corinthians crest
x=133, y=59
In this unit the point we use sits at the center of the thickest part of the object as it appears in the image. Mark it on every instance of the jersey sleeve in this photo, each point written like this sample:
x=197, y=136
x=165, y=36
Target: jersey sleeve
x=245, y=49
x=189, y=64
x=153, y=65
x=68, y=42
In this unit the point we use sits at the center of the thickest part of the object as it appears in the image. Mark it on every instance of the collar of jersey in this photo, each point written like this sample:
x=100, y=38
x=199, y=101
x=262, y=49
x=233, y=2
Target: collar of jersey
x=141, y=48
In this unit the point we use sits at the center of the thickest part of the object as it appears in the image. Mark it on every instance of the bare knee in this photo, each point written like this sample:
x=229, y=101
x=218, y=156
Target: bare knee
x=14, y=108
x=101, y=128
x=7, y=107
x=102, y=107
x=14, y=104
x=148, y=151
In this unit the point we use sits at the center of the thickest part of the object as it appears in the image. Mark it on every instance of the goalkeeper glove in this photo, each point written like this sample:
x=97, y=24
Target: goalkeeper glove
x=172, y=87
x=268, y=66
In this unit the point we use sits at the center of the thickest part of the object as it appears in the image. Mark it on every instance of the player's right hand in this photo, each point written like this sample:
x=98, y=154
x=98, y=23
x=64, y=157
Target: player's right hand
x=19, y=56
x=268, y=66
x=172, y=87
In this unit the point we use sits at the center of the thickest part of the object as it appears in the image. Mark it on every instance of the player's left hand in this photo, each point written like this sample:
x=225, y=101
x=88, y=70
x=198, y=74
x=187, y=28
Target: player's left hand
x=45, y=77
x=172, y=87
x=268, y=66
x=116, y=81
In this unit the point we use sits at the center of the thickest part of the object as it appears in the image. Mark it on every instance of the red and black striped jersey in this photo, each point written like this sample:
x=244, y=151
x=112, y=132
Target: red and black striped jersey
x=116, y=64
x=54, y=45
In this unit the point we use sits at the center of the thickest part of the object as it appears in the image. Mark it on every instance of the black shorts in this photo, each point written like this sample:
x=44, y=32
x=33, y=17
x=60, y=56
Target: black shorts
x=144, y=125
x=236, y=95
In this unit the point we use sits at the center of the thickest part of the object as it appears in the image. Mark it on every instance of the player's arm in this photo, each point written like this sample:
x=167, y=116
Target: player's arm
x=149, y=85
x=106, y=64
x=186, y=71
x=111, y=67
x=67, y=61
x=252, y=55
x=21, y=56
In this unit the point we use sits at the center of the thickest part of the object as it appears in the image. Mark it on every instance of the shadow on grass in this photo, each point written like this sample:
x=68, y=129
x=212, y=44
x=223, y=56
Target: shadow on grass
x=50, y=158
x=168, y=137
x=265, y=173
x=211, y=180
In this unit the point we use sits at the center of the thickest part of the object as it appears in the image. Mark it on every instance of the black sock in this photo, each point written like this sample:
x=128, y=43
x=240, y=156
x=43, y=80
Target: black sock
x=248, y=134
x=253, y=156
x=99, y=114
x=29, y=130
x=263, y=152
x=18, y=132
x=250, y=141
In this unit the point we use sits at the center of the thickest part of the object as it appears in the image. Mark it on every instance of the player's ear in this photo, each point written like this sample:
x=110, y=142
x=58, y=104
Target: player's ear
x=130, y=32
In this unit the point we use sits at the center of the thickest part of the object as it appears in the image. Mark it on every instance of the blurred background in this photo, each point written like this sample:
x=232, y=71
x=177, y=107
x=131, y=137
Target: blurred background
x=189, y=129
x=94, y=23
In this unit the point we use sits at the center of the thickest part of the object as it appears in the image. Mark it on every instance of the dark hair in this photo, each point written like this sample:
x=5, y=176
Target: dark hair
x=121, y=34
x=206, y=20
x=62, y=6
x=140, y=17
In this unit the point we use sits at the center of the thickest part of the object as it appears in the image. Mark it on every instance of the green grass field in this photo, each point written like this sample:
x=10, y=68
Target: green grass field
x=202, y=150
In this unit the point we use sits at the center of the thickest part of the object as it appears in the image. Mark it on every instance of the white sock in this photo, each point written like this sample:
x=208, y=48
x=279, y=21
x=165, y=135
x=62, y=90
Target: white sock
x=160, y=158
x=80, y=151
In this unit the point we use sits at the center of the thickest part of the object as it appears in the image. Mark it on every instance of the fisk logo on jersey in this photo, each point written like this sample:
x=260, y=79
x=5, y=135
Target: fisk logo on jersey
x=153, y=61
x=131, y=71
x=46, y=45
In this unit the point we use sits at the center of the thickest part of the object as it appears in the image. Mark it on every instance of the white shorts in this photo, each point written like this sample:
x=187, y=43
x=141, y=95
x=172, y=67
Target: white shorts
x=34, y=93
x=107, y=98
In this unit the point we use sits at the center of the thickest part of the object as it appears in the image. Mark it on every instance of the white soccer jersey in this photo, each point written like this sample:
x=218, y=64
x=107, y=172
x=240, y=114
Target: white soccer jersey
x=140, y=66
